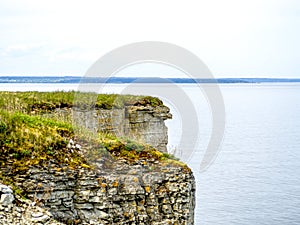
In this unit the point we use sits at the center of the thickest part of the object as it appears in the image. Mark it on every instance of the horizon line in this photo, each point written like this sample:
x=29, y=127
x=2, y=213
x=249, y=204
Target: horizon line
x=175, y=77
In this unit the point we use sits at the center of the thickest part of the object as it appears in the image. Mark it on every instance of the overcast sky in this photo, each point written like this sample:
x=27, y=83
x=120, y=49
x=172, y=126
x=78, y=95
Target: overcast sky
x=235, y=38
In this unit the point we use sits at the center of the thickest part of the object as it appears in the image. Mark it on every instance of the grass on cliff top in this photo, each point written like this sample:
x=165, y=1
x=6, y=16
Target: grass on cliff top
x=39, y=102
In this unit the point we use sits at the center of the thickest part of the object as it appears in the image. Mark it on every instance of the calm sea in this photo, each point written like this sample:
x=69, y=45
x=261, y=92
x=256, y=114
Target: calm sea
x=256, y=176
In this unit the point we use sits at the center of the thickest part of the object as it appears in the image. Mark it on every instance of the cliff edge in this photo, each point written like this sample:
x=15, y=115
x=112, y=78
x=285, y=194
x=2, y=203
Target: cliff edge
x=79, y=176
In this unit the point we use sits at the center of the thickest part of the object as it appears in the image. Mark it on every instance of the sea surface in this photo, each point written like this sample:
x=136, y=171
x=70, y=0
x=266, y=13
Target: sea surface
x=255, y=178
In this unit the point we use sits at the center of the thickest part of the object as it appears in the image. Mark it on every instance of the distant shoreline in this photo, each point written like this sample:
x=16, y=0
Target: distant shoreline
x=124, y=80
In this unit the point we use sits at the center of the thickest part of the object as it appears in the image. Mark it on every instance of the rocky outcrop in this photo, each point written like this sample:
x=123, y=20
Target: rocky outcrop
x=116, y=192
x=6, y=196
x=144, y=123
x=14, y=210
x=114, y=184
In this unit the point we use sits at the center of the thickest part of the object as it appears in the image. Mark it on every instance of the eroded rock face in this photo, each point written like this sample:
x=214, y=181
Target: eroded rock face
x=119, y=193
x=139, y=123
x=14, y=210
x=143, y=191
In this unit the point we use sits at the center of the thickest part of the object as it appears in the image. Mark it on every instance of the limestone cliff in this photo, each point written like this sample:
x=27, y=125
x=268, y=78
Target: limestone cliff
x=91, y=181
x=118, y=193
x=144, y=123
x=15, y=210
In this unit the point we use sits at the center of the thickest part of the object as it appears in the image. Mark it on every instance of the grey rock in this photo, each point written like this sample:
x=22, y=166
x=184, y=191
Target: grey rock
x=6, y=199
x=25, y=213
x=140, y=123
x=5, y=189
x=115, y=191
x=41, y=219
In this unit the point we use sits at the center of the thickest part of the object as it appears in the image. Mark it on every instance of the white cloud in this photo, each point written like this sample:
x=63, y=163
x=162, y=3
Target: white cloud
x=73, y=54
x=20, y=50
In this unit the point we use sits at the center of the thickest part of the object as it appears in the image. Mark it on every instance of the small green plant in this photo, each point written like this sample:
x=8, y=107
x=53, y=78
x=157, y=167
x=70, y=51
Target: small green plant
x=132, y=145
x=168, y=156
x=3, y=127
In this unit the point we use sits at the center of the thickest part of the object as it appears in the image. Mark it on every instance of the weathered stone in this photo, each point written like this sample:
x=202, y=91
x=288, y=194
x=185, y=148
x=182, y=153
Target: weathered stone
x=115, y=191
x=25, y=213
x=5, y=189
x=68, y=202
x=102, y=215
x=123, y=197
x=83, y=206
x=140, y=123
x=6, y=196
x=6, y=199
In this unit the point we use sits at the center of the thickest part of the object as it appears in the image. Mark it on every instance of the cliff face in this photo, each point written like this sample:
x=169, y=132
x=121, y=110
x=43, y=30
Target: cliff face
x=15, y=210
x=139, y=123
x=119, y=193
x=108, y=182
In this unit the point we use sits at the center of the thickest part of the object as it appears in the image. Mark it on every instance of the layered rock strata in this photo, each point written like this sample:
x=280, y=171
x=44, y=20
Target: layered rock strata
x=116, y=192
x=14, y=210
x=139, y=123
x=109, y=189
